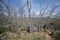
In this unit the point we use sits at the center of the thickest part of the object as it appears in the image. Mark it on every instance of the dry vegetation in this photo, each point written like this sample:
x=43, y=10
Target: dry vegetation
x=28, y=27
x=23, y=36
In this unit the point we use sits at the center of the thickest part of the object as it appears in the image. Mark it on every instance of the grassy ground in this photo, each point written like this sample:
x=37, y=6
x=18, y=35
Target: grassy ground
x=32, y=36
x=23, y=36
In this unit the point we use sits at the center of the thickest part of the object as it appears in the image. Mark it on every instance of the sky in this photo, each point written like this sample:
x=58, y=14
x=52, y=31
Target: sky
x=36, y=4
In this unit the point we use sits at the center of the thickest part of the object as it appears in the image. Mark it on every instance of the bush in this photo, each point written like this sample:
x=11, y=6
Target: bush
x=2, y=30
x=57, y=36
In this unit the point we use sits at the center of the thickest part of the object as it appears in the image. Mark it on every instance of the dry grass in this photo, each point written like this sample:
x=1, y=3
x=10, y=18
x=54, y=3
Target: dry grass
x=31, y=36
x=24, y=36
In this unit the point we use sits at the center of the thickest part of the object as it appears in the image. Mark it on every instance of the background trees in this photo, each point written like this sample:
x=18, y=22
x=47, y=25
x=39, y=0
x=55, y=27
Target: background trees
x=26, y=18
x=17, y=18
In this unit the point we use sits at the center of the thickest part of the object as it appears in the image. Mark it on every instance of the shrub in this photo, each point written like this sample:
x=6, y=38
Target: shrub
x=2, y=30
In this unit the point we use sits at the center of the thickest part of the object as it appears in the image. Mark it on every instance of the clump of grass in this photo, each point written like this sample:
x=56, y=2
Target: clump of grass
x=37, y=38
x=9, y=36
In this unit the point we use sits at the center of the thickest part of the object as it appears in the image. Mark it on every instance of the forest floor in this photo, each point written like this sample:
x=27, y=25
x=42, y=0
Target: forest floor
x=27, y=36
x=33, y=36
x=36, y=36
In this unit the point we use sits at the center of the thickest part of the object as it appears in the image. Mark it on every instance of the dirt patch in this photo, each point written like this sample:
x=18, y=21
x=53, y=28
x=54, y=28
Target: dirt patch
x=48, y=37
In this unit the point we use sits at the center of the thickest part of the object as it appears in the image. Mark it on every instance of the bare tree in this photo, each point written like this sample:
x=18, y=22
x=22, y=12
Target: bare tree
x=21, y=13
x=29, y=11
x=50, y=14
x=40, y=16
x=7, y=6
